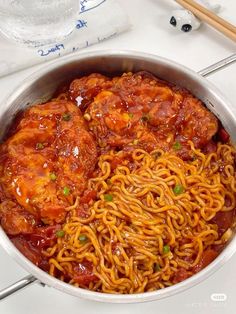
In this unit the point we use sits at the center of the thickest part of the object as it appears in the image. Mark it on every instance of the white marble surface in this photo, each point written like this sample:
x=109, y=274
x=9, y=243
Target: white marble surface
x=150, y=33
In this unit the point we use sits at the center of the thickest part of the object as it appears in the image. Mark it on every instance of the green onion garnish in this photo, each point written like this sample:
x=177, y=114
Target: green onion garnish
x=166, y=249
x=52, y=176
x=83, y=238
x=60, y=233
x=39, y=146
x=108, y=197
x=177, y=146
x=66, y=117
x=157, y=267
x=131, y=115
x=156, y=155
x=145, y=118
x=178, y=189
x=66, y=191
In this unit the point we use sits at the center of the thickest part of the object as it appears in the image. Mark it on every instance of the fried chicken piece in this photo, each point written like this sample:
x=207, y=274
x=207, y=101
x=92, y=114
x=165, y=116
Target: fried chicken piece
x=195, y=122
x=87, y=87
x=46, y=163
x=142, y=111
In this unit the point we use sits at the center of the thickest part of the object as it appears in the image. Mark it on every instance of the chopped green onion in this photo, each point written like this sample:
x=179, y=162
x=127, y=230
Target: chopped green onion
x=131, y=115
x=178, y=189
x=66, y=191
x=145, y=118
x=60, y=233
x=83, y=238
x=157, y=267
x=52, y=176
x=66, y=117
x=156, y=155
x=166, y=249
x=108, y=197
x=39, y=146
x=177, y=146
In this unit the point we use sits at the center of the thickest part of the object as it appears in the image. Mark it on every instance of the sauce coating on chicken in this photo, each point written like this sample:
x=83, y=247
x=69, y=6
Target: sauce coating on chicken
x=142, y=110
x=44, y=164
x=53, y=149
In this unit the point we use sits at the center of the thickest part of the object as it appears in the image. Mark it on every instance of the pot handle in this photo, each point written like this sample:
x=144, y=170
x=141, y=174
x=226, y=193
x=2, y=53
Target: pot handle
x=218, y=65
x=19, y=285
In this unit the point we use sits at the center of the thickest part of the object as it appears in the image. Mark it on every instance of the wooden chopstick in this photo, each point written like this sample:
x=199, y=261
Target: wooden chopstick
x=209, y=17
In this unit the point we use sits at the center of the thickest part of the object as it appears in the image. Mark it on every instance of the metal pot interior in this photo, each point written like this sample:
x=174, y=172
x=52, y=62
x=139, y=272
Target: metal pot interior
x=41, y=86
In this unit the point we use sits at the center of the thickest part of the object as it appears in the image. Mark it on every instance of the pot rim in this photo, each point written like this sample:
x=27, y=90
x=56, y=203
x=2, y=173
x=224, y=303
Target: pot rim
x=49, y=280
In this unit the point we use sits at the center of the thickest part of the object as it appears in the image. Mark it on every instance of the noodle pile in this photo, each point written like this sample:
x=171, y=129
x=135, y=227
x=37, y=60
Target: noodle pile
x=151, y=219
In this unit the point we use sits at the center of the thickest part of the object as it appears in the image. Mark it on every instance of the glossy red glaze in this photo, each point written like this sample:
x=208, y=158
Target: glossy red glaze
x=207, y=257
x=181, y=275
x=52, y=150
x=83, y=273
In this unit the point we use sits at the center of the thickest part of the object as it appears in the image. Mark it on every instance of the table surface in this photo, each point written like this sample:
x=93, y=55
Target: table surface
x=150, y=33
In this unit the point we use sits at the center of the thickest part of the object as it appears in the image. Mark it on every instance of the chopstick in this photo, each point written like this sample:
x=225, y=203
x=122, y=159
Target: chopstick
x=209, y=17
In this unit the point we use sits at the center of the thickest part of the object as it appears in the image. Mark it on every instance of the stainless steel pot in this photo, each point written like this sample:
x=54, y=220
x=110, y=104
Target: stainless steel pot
x=41, y=85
